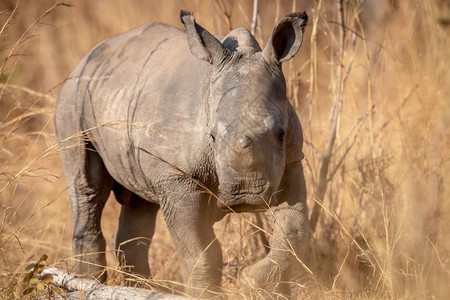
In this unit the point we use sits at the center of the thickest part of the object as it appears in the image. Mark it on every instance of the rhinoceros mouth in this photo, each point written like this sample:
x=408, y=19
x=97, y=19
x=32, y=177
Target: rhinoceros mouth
x=243, y=188
x=257, y=195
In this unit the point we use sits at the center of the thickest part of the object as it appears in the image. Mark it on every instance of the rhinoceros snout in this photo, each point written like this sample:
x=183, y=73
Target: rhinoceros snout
x=244, y=196
x=243, y=186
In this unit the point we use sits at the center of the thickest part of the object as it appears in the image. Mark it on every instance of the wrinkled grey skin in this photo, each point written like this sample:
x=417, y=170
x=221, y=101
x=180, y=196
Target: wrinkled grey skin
x=168, y=117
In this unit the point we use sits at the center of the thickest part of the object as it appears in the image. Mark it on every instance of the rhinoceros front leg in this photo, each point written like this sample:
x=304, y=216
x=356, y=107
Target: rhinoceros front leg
x=189, y=217
x=289, y=240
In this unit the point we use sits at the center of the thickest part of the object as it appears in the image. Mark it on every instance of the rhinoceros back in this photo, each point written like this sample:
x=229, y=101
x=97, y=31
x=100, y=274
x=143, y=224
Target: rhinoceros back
x=138, y=97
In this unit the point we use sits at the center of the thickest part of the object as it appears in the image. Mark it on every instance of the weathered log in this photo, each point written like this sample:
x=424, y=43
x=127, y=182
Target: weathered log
x=85, y=289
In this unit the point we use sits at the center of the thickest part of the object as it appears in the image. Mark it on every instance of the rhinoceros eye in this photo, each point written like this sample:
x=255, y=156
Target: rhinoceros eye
x=281, y=135
x=213, y=138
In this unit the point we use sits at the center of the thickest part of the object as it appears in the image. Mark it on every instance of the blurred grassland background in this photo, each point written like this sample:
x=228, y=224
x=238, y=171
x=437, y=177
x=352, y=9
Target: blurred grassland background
x=382, y=231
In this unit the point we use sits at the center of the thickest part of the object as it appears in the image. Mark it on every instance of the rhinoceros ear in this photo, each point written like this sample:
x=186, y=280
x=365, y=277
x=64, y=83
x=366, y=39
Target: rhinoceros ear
x=286, y=38
x=203, y=44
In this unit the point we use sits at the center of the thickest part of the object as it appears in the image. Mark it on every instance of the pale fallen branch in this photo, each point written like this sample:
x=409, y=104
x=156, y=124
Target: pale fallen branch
x=84, y=289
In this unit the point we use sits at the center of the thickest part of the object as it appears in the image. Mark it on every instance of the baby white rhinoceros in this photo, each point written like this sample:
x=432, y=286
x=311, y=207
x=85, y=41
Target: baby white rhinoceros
x=195, y=125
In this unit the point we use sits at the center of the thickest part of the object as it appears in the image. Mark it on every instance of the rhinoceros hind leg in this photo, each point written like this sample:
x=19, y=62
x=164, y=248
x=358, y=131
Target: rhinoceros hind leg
x=89, y=186
x=136, y=229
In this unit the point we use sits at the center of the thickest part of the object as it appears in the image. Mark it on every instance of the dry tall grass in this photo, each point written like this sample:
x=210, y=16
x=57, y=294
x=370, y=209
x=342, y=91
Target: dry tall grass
x=384, y=198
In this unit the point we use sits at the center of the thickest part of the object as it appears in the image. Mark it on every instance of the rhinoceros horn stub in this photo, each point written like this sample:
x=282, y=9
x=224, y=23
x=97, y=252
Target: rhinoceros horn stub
x=202, y=44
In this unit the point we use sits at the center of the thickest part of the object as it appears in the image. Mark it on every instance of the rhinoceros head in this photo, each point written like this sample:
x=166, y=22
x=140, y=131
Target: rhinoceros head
x=248, y=113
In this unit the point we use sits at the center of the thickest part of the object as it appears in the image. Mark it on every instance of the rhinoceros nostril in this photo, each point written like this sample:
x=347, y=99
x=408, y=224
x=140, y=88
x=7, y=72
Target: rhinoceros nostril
x=243, y=142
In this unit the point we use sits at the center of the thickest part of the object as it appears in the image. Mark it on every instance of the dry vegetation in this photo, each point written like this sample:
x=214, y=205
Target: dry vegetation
x=374, y=101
